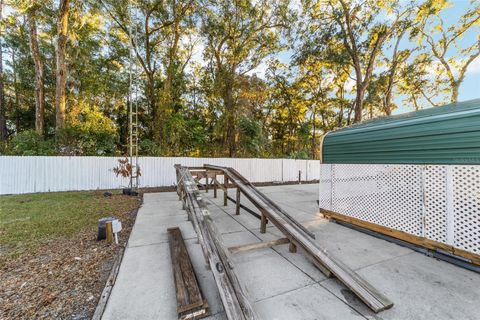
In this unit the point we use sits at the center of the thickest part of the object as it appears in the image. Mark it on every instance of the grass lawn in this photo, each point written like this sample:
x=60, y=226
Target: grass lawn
x=51, y=265
x=28, y=221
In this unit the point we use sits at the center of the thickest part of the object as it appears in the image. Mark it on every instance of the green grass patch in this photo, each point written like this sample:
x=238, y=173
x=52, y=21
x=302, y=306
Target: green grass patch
x=26, y=221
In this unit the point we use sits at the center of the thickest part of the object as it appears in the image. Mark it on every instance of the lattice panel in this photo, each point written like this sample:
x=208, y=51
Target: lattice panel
x=438, y=202
x=435, y=180
x=325, y=191
x=388, y=195
x=466, y=190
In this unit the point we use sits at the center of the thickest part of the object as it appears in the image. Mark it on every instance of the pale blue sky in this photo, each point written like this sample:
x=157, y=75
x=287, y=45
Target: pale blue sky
x=470, y=88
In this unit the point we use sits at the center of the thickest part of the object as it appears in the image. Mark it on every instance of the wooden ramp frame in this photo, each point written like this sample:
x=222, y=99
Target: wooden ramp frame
x=190, y=301
x=234, y=299
x=300, y=236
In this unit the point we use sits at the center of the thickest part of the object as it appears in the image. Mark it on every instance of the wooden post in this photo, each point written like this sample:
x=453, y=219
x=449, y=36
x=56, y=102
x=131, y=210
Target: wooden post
x=215, y=186
x=109, y=231
x=263, y=223
x=292, y=247
x=225, y=192
x=237, y=209
x=206, y=181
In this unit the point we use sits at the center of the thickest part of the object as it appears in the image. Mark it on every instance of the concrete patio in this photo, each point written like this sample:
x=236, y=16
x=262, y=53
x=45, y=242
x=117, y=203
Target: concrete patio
x=284, y=285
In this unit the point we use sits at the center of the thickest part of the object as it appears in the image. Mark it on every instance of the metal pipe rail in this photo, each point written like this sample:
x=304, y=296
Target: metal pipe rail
x=299, y=237
x=235, y=301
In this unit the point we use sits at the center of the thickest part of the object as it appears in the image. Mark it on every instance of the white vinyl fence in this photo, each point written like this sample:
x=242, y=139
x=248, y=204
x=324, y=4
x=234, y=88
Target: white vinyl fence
x=47, y=174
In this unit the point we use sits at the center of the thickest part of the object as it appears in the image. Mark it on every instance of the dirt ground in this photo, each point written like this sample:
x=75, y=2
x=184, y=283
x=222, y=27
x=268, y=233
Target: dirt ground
x=63, y=278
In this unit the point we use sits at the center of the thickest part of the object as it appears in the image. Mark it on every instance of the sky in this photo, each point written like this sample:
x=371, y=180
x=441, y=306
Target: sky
x=470, y=88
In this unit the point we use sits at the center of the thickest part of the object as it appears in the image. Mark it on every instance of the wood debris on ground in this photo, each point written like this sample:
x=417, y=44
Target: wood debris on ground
x=62, y=279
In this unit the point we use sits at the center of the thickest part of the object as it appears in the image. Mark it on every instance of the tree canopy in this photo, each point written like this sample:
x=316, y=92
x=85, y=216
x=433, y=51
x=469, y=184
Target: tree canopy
x=241, y=78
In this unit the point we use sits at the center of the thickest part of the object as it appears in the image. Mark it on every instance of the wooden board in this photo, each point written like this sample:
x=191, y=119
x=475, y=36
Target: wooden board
x=300, y=238
x=258, y=245
x=234, y=299
x=407, y=237
x=190, y=302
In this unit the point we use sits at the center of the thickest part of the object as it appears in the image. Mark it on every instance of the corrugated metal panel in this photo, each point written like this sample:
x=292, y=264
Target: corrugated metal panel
x=442, y=135
x=47, y=174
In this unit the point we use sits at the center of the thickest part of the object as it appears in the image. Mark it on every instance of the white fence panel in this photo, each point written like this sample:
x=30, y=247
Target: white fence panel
x=292, y=168
x=438, y=202
x=47, y=174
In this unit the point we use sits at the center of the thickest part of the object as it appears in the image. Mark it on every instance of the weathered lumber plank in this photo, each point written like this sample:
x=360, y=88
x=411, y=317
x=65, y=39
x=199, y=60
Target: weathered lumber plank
x=258, y=245
x=190, y=302
x=299, y=237
x=234, y=299
x=407, y=237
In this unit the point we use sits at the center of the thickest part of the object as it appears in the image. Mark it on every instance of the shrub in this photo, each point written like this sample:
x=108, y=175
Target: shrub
x=29, y=143
x=149, y=148
x=91, y=134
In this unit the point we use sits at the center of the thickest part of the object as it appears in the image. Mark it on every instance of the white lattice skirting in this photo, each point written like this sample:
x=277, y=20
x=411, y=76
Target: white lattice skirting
x=436, y=202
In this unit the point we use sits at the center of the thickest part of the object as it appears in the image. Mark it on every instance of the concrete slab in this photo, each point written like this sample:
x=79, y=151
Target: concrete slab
x=311, y=302
x=281, y=284
x=143, y=290
x=420, y=286
x=265, y=273
x=153, y=229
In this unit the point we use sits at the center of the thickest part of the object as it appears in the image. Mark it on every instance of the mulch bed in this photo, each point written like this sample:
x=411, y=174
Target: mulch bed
x=63, y=279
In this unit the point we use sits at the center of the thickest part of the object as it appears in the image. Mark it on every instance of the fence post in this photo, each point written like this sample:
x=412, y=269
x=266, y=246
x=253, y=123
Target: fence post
x=449, y=201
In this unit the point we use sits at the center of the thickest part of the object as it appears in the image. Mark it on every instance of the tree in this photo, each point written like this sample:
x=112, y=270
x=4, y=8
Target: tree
x=442, y=41
x=3, y=120
x=397, y=60
x=357, y=29
x=61, y=73
x=239, y=36
x=39, y=78
x=159, y=32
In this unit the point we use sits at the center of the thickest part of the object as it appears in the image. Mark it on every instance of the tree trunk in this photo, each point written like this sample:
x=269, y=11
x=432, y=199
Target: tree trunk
x=39, y=80
x=455, y=87
x=359, y=105
x=61, y=74
x=229, y=116
x=314, y=144
x=3, y=120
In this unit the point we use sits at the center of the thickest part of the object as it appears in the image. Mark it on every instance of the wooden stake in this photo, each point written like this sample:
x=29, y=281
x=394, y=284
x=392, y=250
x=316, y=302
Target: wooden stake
x=292, y=247
x=263, y=223
x=109, y=231
x=225, y=191
x=237, y=209
x=214, y=186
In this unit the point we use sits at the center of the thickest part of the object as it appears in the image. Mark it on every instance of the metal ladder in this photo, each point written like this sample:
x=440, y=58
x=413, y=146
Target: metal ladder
x=133, y=128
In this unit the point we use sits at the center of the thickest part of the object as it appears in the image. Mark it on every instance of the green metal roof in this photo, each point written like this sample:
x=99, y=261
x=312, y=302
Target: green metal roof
x=448, y=134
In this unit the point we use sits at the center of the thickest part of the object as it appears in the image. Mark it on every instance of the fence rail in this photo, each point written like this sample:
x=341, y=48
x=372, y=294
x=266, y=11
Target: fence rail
x=49, y=174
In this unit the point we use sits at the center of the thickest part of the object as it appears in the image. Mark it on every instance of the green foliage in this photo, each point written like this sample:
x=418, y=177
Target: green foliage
x=251, y=137
x=300, y=155
x=91, y=134
x=148, y=147
x=185, y=136
x=29, y=143
x=349, y=61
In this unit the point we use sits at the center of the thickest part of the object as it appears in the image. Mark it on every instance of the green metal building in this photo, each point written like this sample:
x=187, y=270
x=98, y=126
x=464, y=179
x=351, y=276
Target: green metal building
x=448, y=134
